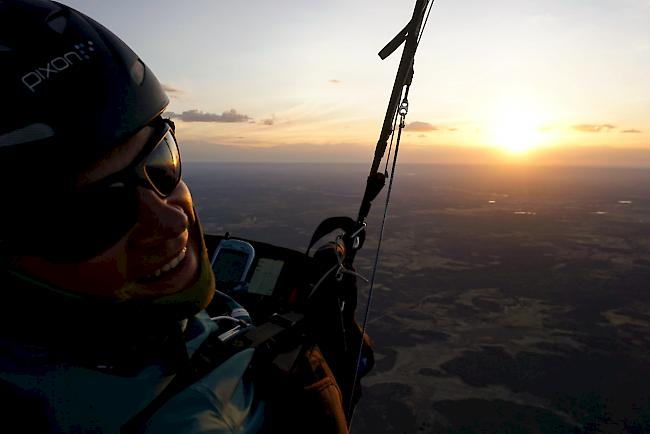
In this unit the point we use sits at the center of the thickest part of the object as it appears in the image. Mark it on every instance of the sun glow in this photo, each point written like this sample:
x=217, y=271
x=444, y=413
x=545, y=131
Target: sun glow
x=516, y=131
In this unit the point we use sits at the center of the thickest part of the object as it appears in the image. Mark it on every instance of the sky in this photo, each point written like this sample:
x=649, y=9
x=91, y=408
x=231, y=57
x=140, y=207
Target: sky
x=549, y=82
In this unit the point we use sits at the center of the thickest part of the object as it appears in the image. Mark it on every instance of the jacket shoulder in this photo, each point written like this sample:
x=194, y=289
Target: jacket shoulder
x=22, y=410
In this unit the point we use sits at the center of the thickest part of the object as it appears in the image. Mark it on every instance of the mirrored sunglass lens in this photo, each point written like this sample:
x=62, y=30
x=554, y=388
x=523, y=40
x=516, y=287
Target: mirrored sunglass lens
x=163, y=166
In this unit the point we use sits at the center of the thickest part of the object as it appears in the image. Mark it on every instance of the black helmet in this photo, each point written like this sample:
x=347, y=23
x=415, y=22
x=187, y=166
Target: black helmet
x=71, y=90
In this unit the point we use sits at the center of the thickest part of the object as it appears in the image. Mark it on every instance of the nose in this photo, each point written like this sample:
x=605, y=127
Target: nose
x=161, y=219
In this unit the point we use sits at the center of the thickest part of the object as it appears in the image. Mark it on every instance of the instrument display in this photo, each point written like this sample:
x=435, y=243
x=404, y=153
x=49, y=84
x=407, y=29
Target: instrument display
x=263, y=278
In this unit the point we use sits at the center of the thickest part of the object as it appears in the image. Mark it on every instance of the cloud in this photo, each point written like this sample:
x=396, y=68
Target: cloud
x=269, y=121
x=171, y=90
x=229, y=116
x=421, y=126
x=334, y=81
x=593, y=128
x=631, y=131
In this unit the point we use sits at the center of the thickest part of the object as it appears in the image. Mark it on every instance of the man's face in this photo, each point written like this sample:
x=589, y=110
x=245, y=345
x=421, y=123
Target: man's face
x=145, y=261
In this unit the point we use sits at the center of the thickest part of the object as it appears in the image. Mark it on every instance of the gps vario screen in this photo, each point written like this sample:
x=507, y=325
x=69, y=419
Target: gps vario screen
x=231, y=266
x=231, y=262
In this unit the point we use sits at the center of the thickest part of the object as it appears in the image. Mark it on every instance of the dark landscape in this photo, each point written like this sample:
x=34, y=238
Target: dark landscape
x=508, y=299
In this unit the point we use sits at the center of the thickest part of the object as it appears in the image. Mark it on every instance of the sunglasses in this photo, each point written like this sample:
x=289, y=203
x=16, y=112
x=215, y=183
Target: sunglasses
x=100, y=214
x=158, y=167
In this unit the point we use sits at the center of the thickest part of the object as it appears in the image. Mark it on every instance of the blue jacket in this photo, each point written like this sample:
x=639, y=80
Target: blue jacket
x=80, y=399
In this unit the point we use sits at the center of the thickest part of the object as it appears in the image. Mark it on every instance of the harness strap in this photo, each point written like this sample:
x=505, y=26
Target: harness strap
x=276, y=336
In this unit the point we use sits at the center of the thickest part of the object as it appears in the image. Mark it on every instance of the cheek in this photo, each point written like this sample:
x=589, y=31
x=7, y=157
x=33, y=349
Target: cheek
x=103, y=276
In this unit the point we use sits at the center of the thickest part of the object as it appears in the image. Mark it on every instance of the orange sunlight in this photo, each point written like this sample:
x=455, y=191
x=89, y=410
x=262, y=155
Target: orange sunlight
x=516, y=130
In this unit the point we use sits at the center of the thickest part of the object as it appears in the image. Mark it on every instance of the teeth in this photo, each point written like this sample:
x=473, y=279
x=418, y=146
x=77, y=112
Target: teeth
x=171, y=264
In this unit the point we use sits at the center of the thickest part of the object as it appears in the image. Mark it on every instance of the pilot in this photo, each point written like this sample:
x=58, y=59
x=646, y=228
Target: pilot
x=104, y=272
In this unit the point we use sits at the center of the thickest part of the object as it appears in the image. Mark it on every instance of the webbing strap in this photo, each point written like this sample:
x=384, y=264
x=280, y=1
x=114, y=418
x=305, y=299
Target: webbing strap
x=268, y=338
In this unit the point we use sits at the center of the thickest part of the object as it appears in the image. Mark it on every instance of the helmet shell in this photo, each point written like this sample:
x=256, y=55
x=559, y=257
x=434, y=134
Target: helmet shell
x=71, y=91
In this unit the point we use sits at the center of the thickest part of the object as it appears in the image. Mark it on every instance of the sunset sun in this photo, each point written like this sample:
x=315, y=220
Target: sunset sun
x=515, y=131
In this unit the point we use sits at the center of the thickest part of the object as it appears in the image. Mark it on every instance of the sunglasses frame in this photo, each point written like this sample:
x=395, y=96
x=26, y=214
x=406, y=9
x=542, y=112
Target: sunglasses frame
x=135, y=173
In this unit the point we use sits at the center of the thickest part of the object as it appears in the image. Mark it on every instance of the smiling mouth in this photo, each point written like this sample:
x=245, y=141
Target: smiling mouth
x=168, y=266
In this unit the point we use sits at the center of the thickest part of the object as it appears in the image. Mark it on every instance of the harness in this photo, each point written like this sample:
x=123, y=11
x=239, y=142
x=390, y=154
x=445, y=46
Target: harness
x=269, y=340
x=313, y=318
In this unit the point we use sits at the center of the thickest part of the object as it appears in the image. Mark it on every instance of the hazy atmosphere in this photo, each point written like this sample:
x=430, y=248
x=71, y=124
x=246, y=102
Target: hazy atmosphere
x=541, y=82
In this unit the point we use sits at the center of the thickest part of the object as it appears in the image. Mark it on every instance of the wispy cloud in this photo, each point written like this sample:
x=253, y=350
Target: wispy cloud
x=269, y=121
x=544, y=19
x=421, y=126
x=229, y=116
x=426, y=127
x=334, y=81
x=631, y=131
x=593, y=128
x=172, y=90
